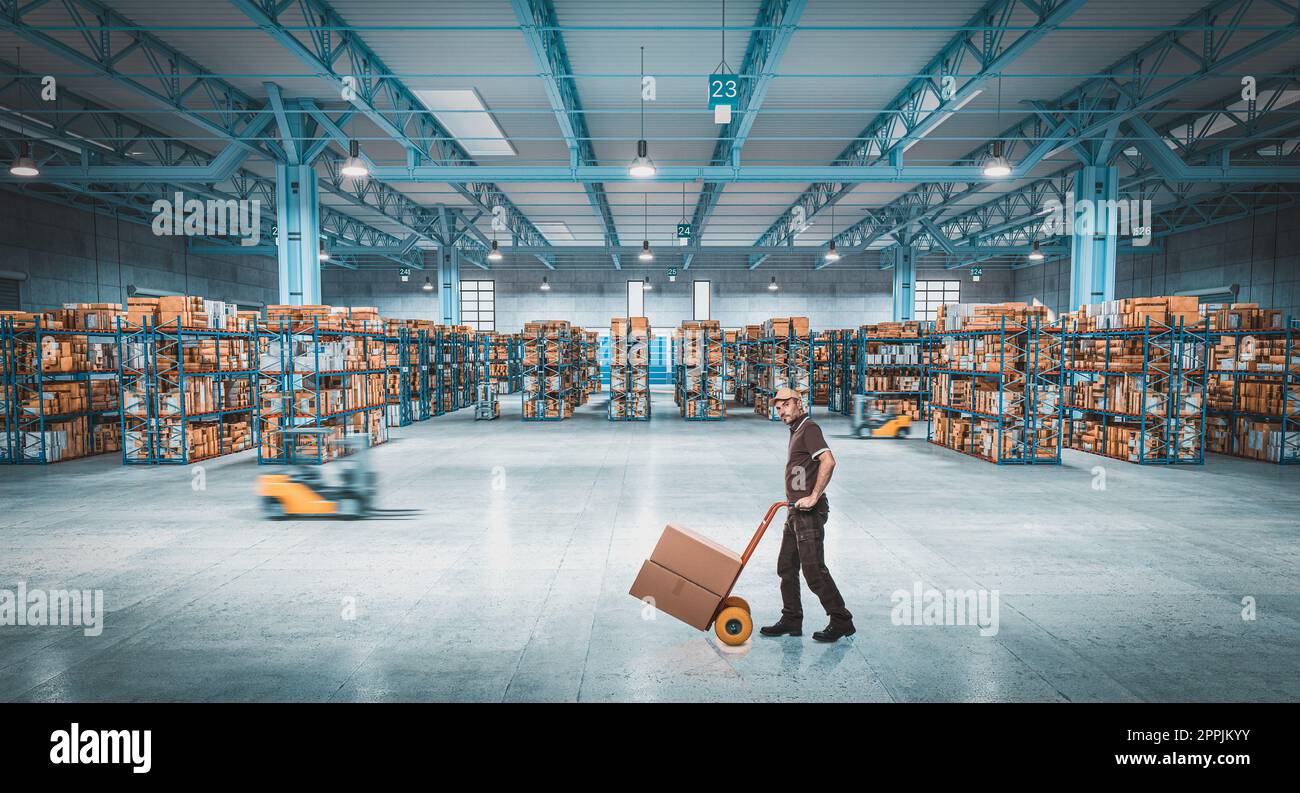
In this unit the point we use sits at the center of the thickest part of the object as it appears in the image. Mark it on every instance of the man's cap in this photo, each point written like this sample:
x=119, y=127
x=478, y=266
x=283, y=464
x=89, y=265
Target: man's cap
x=783, y=393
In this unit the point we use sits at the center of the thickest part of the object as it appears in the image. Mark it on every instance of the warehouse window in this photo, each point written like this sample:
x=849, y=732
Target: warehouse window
x=932, y=294
x=703, y=301
x=9, y=296
x=636, y=298
x=478, y=304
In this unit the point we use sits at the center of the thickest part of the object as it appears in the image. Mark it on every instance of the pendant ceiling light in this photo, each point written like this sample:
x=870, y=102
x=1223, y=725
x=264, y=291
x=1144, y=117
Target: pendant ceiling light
x=354, y=167
x=1036, y=255
x=642, y=167
x=996, y=166
x=647, y=287
x=832, y=255
x=495, y=254
x=645, y=255
x=546, y=285
x=772, y=287
x=324, y=254
x=25, y=164
x=428, y=284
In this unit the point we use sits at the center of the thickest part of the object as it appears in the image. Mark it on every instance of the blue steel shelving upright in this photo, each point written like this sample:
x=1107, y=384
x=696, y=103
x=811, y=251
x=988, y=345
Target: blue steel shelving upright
x=285, y=377
x=1171, y=387
x=1027, y=383
x=26, y=420
x=157, y=418
x=1288, y=381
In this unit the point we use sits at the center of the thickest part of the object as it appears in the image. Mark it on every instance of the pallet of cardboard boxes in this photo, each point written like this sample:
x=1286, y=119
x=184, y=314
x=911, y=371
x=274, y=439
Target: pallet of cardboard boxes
x=551, y=365
x=783, y=360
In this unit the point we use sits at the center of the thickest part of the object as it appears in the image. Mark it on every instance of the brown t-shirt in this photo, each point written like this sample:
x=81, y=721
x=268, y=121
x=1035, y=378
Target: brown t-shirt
x=806, y=445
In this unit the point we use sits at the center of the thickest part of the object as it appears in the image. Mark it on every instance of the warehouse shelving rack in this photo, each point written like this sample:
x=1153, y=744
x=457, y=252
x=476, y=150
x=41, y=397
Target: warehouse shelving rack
x=25, y=438
x=410, y=373
x=635, y=377
x=692, y=382
x=157, y=420
x=743, y=357
x=539, y=374
x=1287, y=380
x=782, y=360
x=1171, y=384
x=865, y=346
x=819, y=385
x=1025, y=397
x=839, y=398
x=435, y=368
x=280, y=377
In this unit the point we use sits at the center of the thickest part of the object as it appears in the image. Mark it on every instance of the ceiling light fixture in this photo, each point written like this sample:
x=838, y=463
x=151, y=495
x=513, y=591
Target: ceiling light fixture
x=24, y=165
x=645, y=255
x=546, y=285
x=772, y=287
x=324, y=254
x=642, y=167
x=494, y=255
x=1036, y=255
x=997, y=167
x=832, y=255
x=428, y=285
x=646, y=286
x=354, y=167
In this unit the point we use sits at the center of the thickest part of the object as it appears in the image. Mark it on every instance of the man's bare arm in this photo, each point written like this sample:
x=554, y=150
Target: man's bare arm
x=826, y=466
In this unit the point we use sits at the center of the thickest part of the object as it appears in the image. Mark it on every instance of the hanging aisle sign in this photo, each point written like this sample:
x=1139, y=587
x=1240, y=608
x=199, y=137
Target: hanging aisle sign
x=684, y=233
x=724, y=96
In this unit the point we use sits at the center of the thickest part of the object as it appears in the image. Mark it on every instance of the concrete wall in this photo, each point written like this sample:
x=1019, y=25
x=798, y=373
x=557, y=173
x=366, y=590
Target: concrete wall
x=852, y=292
x=76, y=256
x=1260, y=253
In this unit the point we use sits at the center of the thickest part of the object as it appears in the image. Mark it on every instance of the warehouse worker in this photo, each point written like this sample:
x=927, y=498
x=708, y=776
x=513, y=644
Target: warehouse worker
x=807, y=472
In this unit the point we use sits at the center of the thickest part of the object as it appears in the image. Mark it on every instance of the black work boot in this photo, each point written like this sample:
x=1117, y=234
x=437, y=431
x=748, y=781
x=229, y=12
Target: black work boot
x=833, y=632
x=783, y=627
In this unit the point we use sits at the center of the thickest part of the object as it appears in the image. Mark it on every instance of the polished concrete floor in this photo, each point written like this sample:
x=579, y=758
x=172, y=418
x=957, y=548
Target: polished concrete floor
x=511, y=582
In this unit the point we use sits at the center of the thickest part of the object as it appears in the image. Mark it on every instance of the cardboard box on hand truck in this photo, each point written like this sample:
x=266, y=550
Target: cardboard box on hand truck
x=687, y=575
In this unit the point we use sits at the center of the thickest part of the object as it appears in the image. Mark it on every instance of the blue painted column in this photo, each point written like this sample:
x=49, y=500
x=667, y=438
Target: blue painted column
x=1092, y=247
x=904, y=291
x=298, y=245
x=449, y=285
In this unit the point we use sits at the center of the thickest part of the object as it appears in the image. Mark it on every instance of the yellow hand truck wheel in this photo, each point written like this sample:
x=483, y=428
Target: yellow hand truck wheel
x=733, y=625
x=735, y=600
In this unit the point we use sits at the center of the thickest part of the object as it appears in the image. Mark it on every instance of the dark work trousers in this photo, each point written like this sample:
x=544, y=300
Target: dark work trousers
x=803, y=546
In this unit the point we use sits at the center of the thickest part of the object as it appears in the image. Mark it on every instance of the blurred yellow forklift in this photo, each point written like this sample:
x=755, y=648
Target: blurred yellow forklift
x=869, y=421
x=307, y=492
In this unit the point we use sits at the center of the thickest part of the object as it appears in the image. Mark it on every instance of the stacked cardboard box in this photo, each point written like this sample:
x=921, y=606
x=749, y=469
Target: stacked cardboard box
x=698, y=350
x=892, y=369
x=971, y=317
x=1242, y=316
x=629, y=370
x=784, y=361
x=687, y=576
x=1134, y=314
x=590, y=364
x=550, y=378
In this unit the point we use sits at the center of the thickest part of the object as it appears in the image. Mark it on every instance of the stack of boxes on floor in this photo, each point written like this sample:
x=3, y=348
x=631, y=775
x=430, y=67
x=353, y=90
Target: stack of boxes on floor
x=784, y=361
x=698, y=350
x=1254, y=384
x=189, y=379
x=59, y=396
x=629, y=369
x=892, y=373
x=687, y=576
x=995, y=383
x=550, y=358
x=1134, y=372
x=322, y=368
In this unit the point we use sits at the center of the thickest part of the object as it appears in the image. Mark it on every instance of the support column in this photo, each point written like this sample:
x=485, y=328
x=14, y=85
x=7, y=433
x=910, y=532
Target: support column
x=297, y=212
x=449, y=284
x=1093, y=246
x=904, y=291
